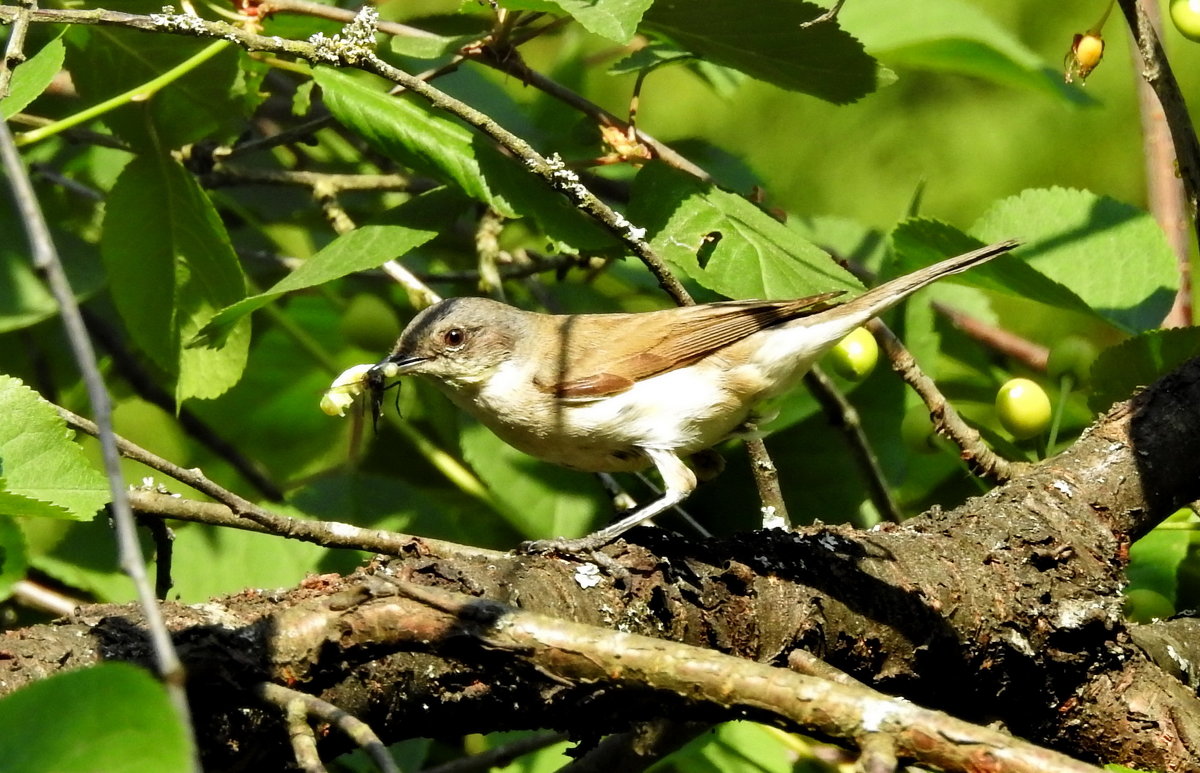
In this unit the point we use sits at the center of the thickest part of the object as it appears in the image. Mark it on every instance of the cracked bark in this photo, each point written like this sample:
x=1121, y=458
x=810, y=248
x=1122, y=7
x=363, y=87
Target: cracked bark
x=1006, y=609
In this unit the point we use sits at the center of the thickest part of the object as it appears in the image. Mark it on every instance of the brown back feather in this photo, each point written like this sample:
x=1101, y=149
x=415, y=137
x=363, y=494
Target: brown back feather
x=606, y=354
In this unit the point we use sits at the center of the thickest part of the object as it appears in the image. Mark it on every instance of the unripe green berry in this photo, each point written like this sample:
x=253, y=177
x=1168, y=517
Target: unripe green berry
x=1186, y=15
x=855, y=356
x=1023, y=408
x=1072, y=356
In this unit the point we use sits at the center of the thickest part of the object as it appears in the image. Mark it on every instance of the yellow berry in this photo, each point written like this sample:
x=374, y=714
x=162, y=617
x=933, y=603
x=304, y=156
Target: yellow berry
x=1023, y=408
x=1186, y=15
x=1086, y=52
x=855, y=356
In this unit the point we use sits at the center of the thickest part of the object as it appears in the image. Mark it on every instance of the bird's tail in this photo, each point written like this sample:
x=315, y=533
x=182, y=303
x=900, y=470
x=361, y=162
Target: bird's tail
x=879, y=299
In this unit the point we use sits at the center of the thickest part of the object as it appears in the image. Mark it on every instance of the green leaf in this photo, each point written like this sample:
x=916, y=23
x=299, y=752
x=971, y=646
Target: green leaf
x=45, y=473
x=722, y=80
x=737, y=747
x=616, y=20
x=952, y=36
x=1112, y=255
x=766, y=40
x=14, y=555
x=401, y=230
x=649, y=57
x=113, y=717
x=24, y=299
x=433, y=144
x=1120, y=370
x=918, y=242
x=1154, y=559
x=31, y=78
x=404, y=130
x=541, y=500
x=745, y=252
x=438, y=35
x=544, y=760
x=409, y=755
x=171, y=267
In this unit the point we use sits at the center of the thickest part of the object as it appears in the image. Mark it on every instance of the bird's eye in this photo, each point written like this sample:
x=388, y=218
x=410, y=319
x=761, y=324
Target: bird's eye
x=454, y=337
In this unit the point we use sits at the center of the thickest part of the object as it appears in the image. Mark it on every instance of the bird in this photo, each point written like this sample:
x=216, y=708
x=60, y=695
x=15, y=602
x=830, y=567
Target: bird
x=623, y=392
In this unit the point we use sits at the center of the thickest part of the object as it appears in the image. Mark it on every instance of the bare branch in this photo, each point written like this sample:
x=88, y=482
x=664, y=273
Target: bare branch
x=355, y=729
x=574, y=652
x=1156, y=70
x=946, y=420
x=46, y=261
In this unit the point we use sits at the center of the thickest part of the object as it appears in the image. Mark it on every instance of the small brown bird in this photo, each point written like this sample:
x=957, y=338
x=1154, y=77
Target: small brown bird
x=622, y=392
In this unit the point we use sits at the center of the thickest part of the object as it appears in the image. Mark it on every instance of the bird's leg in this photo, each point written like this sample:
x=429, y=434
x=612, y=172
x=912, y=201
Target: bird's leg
x=684, y=514
x=679, y=481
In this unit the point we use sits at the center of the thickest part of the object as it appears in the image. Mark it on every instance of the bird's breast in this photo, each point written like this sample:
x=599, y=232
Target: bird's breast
x=684, y=410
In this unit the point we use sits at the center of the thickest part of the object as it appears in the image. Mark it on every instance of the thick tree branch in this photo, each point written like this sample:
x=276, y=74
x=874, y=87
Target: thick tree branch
x=1006, y=608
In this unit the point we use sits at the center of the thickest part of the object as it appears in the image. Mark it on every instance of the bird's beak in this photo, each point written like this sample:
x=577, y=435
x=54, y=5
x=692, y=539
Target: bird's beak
x=396, y=365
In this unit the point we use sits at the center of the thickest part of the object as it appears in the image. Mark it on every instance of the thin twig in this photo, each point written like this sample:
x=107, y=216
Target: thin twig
x=766, y=480
x=14, y=51
x=877, y=754
x=514, y=66
x=843, y=415
x=1156, y=70
x=1024, y=351
x=329, y=534
x=804, y=662
x=829, y=15
x=946, y=421
x=489, y=254
x=1164, y=190
x=419, y=294
x=228, y=174
x=300, y=133
x=344, y=15
x=36, y=596
x=164, y=552
x=335, y=214
x=239, y=513
x=351, y=726
x=46, y=261
x=76, y=135
x=303, y=738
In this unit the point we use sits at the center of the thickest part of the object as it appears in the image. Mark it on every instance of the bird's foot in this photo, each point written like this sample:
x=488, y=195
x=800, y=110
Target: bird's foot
x=586, y=546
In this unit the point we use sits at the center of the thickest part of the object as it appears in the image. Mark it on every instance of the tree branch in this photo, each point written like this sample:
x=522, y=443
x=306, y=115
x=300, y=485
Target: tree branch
x=1007, y=608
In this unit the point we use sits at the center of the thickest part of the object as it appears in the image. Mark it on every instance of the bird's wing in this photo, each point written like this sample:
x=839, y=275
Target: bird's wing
x=606, y=354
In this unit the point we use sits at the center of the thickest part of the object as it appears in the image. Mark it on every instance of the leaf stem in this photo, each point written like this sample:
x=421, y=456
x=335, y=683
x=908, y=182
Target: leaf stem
x=138, y=94
x=1065, y=384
